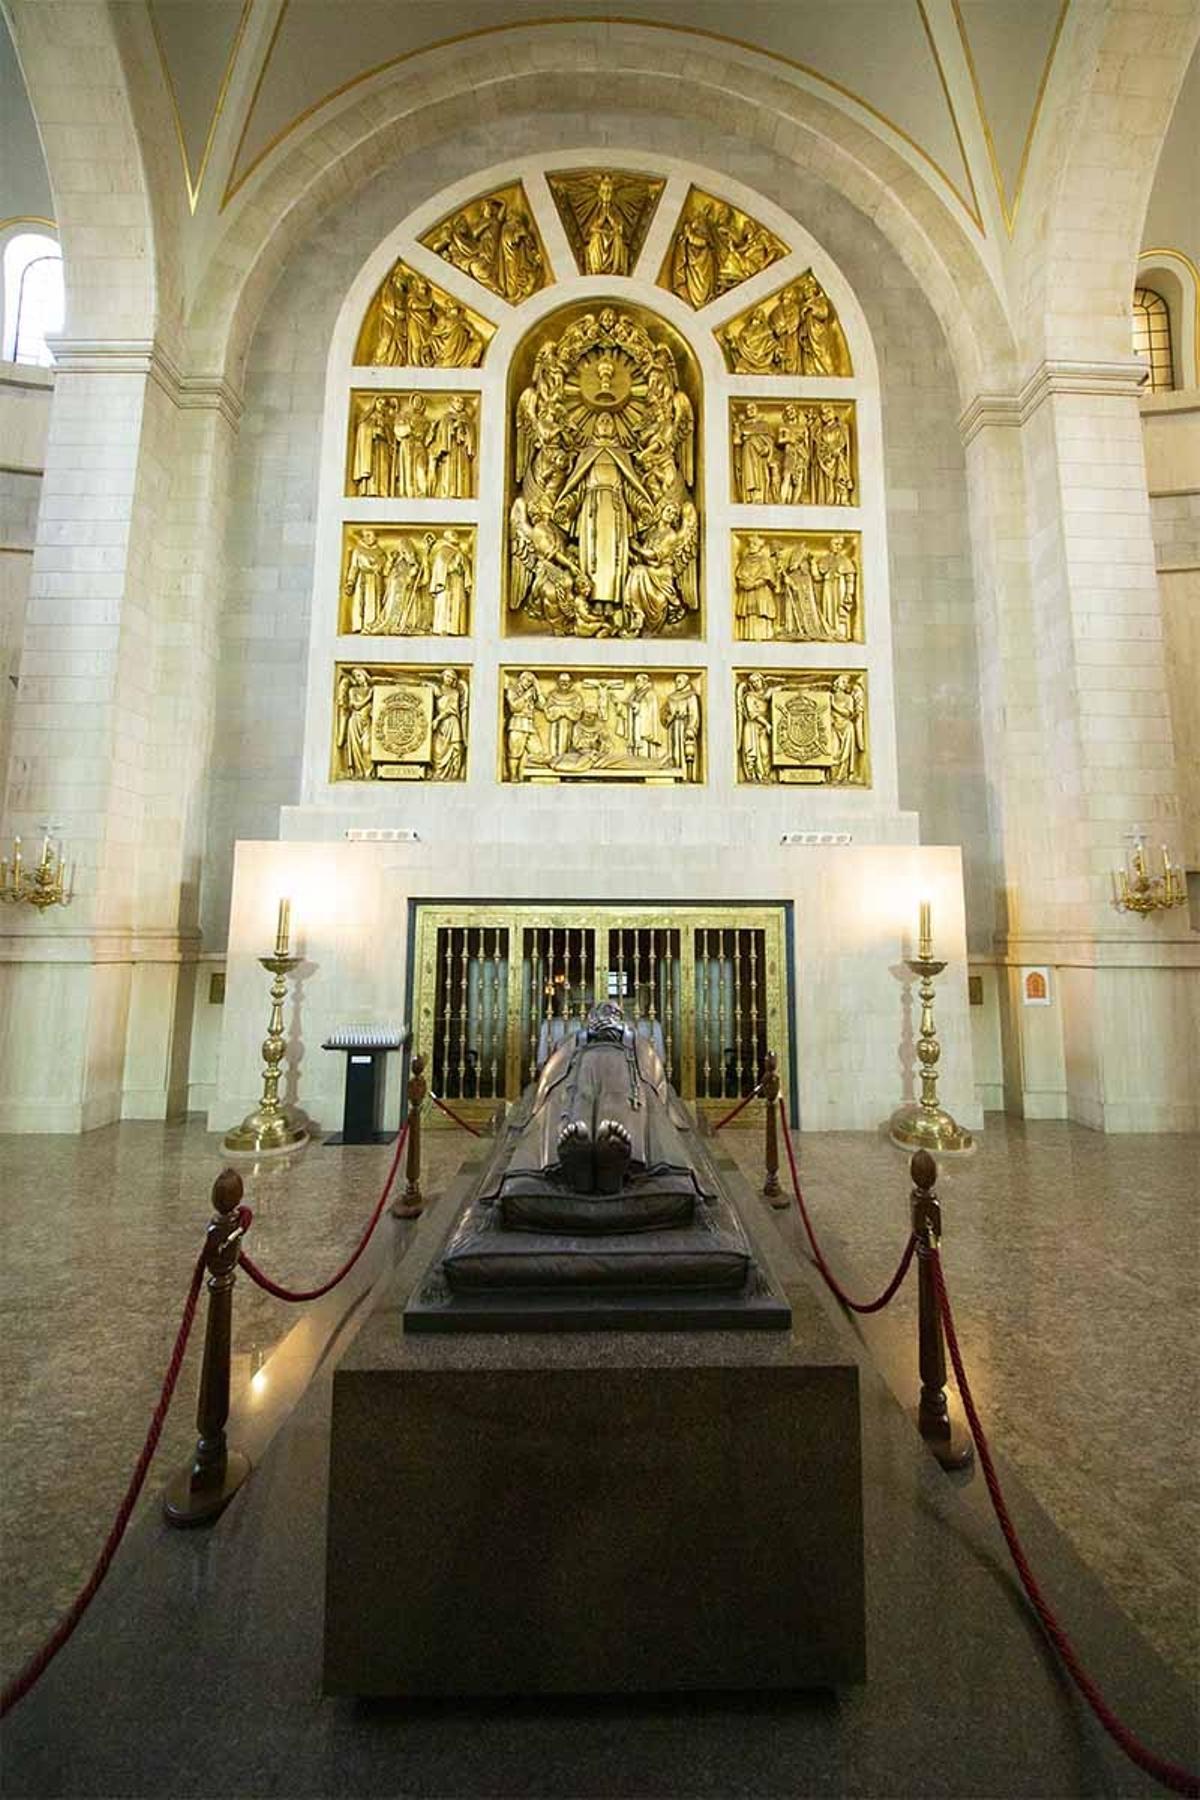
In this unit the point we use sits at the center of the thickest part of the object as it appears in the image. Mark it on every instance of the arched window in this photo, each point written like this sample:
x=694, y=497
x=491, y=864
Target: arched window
x=1152, y=338
x=33, y=296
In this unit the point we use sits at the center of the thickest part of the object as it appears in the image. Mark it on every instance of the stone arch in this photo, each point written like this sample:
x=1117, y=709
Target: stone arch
x=415, y=106
x=118, y=280
x=1116, y=76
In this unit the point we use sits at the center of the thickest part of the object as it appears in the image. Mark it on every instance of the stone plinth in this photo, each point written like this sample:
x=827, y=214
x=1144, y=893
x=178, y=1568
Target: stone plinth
x=613, y=1513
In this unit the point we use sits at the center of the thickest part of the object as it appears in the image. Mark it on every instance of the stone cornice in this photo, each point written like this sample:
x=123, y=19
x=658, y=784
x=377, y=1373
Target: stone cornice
x=144, y=356
x=1050, y=378
x=1101, y=950
x=104, y=944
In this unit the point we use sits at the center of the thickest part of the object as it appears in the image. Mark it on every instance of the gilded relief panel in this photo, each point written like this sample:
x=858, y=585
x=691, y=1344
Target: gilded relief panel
x=793, y=332
x=606, y=214
x=596, y=724
x=604, y=478
x=803, y=727
x=400, y=722
x=495, y=240
x=714, y=249
x=791, y=453
x=422, y=445
x=797, y=587
x=414, y=324
x=407, y=580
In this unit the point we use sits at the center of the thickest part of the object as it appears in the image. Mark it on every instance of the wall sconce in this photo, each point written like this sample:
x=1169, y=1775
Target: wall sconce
x=1136, y=890
x=42, y=885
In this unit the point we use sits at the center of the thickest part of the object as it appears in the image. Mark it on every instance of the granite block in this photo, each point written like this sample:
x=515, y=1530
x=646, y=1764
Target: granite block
x=500, y=1530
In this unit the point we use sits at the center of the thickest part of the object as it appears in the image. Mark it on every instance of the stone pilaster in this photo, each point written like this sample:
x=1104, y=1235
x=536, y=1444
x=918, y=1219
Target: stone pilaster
x=110, y=737
x=1075, y=694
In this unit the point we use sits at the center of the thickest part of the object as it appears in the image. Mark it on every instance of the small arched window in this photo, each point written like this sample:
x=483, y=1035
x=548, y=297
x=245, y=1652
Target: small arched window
x=1152, y=338
x=33, y=296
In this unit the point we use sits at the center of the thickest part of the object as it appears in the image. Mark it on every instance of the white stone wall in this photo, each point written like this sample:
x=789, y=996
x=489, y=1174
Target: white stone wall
x=267, y=621
x=854, y=917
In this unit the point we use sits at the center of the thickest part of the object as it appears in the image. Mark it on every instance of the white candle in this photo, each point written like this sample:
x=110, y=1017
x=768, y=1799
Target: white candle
x=281, y=933
x=925, y=931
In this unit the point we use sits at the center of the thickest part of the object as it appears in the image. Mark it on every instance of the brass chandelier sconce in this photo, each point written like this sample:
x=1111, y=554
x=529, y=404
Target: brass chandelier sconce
x=1136, y=890
x=45, y=884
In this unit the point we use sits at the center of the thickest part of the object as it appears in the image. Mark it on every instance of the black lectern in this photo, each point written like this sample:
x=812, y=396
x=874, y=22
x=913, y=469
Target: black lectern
x=364, y=1047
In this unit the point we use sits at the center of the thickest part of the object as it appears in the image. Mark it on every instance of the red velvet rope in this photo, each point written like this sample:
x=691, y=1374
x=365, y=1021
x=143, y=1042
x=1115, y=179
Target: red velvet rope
x=1167, y=1774
x=457, y=1117
x=740, y=1107
x=293, y=1294
x=831, y=1280
x=20, y=1685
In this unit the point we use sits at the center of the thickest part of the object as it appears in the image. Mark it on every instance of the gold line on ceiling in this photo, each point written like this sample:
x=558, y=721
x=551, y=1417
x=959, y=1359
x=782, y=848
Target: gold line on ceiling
x=237, y=182
x=973, y=209
x=193, y=187
x=28, y=219
x=1009, y=213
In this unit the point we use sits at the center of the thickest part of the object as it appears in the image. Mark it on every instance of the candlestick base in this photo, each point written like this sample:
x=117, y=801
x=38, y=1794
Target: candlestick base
x=265, y=1131
x=918, y=1127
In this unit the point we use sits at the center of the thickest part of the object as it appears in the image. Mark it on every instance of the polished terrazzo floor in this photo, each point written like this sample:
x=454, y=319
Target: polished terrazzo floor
x=1071, y=1260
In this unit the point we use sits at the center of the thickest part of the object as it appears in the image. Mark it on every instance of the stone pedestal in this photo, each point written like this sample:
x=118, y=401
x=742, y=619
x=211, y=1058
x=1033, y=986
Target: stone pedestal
x=611, y=1513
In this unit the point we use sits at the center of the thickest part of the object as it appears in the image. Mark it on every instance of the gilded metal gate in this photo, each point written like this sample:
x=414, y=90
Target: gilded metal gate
x=495, y=988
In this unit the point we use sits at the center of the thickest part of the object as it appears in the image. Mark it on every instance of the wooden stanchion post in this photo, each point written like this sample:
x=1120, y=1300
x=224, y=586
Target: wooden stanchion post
x=951, y=1446
x=412, y=1205
x=200, y=1492
x=770, y=1092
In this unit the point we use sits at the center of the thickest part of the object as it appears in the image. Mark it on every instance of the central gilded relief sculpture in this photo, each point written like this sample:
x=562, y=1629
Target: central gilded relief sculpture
x=604, y=474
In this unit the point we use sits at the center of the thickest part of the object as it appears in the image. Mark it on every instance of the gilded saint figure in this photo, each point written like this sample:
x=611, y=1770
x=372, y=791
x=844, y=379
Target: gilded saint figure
x=680, y=714
x=604, y=531
x=802, y=727
x=353, y=725
x=413, y=323
x=365, y=580
x=754, y=444
x=494, y=240
x=794, y=332
x=449, y=728
x=602, y=725
x=606, y=214
x=715, y=248
x=400, y=722
x=399, y=581
x=799, y=587
x=756, y=590
x=754, y=728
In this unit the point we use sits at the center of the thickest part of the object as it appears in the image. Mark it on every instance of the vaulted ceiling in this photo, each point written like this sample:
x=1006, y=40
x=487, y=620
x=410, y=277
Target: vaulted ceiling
x=958, y=85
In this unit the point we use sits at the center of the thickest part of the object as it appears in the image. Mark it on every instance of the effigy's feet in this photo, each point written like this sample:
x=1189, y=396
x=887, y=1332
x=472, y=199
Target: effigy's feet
x=614, y=1147
x=575, y=1156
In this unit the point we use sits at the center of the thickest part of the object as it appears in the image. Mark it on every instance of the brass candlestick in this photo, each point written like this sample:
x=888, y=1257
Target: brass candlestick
x=923, y=1124
x=272, y=1125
